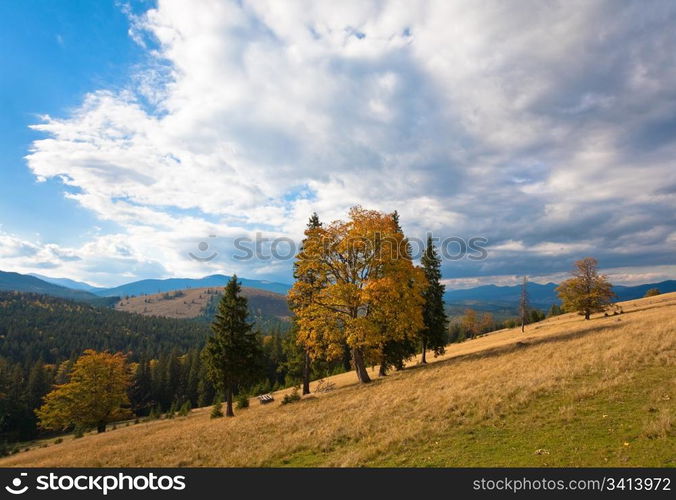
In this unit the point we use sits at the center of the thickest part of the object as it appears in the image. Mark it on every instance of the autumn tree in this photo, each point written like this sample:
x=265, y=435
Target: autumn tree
x=395, y=351
x=587, y=291
x=470, y=323
x=233, y=352
x=433, y=335
x=486, y=323
x=95, y=395
x=652, y=292
x=523, y=303
x=308, y=275
x=363, y=294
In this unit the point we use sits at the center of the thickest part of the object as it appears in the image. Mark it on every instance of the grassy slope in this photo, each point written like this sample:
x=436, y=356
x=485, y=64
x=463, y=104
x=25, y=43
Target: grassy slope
x=194, y=300
x=568, y=392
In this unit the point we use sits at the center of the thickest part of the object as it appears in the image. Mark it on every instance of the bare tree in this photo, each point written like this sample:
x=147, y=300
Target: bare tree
x=523, y=303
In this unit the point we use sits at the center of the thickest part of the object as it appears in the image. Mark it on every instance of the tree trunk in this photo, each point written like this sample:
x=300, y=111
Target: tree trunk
x=423, y=360
x=360, y=368
x=228, y=398
x=586, y=315
x=382, y=370
x=523, y=325
x=306, y=373
x=101, y=427
x=347, y=358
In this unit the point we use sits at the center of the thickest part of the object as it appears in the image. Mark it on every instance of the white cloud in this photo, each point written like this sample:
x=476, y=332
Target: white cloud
x=536, y=125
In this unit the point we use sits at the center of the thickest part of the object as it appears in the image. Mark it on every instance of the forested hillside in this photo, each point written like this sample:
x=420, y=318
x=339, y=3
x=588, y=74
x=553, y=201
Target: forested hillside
x=39, y=327
x=41, y=336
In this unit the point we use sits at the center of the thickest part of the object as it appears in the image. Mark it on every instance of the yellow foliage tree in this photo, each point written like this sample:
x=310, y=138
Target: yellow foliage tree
x=95, y=394
x=470, y=323
x=587, y=291
x=364, y=289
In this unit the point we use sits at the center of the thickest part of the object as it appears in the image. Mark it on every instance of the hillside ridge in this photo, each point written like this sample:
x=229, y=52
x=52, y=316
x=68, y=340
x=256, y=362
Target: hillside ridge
x=568, y=392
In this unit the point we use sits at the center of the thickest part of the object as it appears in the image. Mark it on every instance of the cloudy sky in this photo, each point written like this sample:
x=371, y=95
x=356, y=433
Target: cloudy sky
x=133, y=132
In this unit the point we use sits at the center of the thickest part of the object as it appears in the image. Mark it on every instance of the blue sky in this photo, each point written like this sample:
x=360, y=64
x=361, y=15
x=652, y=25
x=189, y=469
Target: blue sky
x=130, y=132
x=53, y=53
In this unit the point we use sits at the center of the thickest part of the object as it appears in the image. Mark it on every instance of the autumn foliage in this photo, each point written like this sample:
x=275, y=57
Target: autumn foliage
x=357, y=287
x=587, y=291
x=95, y=395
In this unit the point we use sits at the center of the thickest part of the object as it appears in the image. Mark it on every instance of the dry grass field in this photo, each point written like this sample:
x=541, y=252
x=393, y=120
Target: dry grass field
x=568, y=392
x=191, y=302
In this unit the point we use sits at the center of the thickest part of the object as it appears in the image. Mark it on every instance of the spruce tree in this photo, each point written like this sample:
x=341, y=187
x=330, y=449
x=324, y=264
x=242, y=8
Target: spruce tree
x=233, y=352
x=433, y=335
x=217, y=409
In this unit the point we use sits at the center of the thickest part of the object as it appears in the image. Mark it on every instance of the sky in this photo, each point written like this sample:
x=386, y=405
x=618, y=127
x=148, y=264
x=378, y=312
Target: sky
x=147, y=139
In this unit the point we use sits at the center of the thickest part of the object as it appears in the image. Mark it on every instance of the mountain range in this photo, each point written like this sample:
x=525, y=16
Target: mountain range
x=502, y=301
x=499, y=299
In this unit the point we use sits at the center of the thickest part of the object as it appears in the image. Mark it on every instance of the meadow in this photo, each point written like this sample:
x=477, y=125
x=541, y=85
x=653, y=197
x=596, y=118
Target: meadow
x=567, y=392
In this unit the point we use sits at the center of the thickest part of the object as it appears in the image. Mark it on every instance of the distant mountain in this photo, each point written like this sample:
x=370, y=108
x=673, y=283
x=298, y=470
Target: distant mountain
x=68, y=283
x=150, y=287
x=503, y=300
x=539, y=295
x=638, y=291
x=26, y=283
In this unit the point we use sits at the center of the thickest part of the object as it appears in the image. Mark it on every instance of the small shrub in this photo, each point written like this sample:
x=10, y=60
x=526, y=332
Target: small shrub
x=79, y=433
x=325, y=386
x=154, y=414
x=242, y=400
x=292, y=397
x=652, y=292
x=217, y=410
x=58, y=441
x=172, y=411
x=185, y=409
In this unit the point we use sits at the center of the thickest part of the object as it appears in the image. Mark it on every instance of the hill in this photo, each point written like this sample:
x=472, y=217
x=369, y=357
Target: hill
x=148, y=287
x=26, y=283
x=568, y=392
x=39, y=327
x=68, y=283
x=201, y=302
x=503, y=301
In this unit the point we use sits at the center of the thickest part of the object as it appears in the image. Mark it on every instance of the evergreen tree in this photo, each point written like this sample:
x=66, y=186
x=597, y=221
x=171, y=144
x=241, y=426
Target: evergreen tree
x=233, y=351
x=38, y=384
x=141, y=389
x=217, y=409
x=433, y=334
x=294, y=365
x=555, y=310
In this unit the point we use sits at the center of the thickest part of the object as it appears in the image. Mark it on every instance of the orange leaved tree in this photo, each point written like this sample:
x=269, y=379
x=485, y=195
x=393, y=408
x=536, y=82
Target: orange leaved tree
x=95, y=394
x=364, y=289
x=587, y=291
